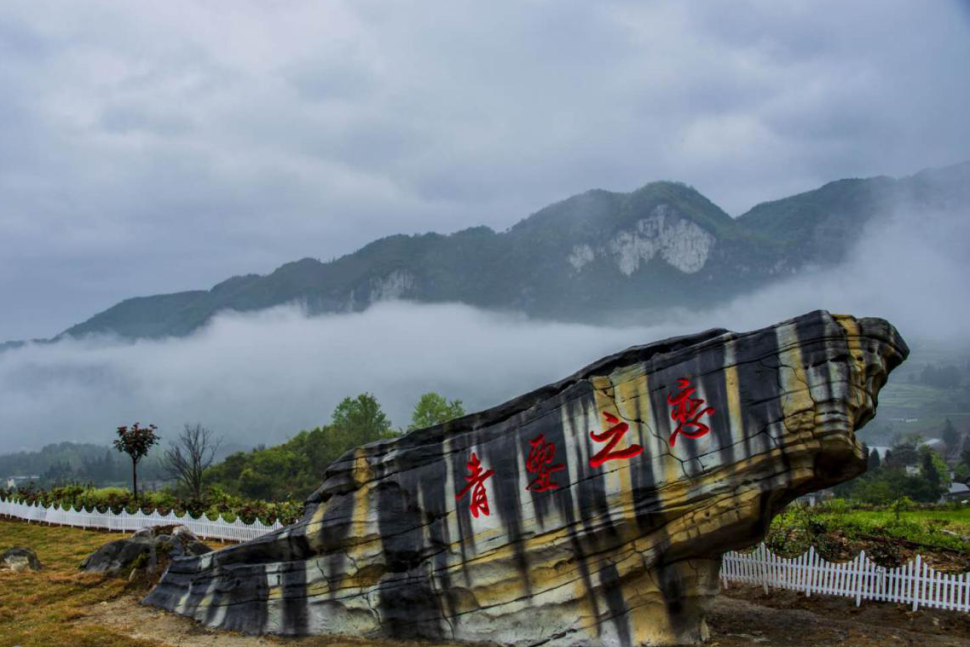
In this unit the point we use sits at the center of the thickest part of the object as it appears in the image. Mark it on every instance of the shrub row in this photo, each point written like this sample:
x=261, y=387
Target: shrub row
x=215, y=502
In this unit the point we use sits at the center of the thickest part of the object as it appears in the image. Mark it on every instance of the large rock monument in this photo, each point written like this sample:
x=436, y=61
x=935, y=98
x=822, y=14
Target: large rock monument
x=592, y=511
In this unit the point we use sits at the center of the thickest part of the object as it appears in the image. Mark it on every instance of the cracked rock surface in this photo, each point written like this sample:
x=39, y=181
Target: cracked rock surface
x=607, y=499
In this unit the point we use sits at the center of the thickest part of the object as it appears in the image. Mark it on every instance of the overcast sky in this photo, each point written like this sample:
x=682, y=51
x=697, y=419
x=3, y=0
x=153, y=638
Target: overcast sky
x=156, y=147
x=261, y=377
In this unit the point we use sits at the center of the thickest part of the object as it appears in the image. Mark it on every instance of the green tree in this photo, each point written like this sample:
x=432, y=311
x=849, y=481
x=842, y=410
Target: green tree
x=361, y=419
x=962, y=473
x=136, y=441
x=900, y=505
x=256, y=485
x=876, y=491
x=873, y=461
x=904, y=450
x=295, y=468
x=433, y=409
x=935, y=472
x=951, y=437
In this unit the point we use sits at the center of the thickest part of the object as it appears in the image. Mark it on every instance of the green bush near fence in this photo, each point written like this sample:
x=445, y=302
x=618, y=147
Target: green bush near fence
x=938, y=527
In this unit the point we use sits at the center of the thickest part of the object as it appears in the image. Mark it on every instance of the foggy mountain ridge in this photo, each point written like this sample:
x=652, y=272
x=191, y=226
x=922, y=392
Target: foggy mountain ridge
x=596, y=257
x=263, y=375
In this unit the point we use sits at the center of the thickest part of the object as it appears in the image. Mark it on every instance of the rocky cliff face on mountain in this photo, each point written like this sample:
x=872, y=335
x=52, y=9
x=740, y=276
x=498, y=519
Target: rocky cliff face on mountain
x=593, y=511
x=594, y=256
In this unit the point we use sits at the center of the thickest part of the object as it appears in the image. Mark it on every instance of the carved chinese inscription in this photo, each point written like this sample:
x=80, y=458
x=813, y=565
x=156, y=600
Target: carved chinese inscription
x=475, y=480
x=541, y=455
x=612, y=437
x=687, y=411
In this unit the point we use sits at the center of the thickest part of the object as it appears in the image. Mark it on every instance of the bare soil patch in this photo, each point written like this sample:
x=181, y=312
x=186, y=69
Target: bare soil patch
x=125, y=615
x=743, y=617
x=747, y=616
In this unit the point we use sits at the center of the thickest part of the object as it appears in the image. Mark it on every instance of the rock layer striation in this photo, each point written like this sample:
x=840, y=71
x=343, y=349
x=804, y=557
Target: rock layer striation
x=592, y=511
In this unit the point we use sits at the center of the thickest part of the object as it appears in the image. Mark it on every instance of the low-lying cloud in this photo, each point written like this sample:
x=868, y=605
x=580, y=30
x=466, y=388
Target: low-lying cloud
x=261, y=377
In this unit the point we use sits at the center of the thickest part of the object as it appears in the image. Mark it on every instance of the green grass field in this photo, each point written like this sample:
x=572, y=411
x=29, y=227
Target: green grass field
x=917, y=400
x=841, y=531
x=62, y=607
x=906, y=408
x=42, y=608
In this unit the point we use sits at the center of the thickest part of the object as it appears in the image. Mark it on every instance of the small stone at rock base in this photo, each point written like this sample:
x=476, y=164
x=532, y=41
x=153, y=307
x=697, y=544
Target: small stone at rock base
x=143, y=550
x=20, y=559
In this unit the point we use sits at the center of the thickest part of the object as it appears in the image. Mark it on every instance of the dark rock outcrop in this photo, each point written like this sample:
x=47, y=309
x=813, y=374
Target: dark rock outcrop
x=144, y=550
x=20, y=559
x=593, y=511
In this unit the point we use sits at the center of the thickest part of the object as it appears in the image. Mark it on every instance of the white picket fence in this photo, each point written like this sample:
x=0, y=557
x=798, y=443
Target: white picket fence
x=915, y=582
x=237, y=530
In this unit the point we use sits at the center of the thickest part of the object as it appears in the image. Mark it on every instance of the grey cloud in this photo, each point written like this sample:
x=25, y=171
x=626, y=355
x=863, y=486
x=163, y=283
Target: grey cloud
x=126, y=119
x=230, y=137
x=261, y=377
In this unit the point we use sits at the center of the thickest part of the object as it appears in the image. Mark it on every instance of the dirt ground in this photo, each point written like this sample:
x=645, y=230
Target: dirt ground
x=742, y=617
x=126, y=616
x=746, y=616
x=60, y=607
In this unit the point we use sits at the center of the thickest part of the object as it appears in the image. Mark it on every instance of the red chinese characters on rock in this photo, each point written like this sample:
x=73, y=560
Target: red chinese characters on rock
x=540, y=457
x=687, y=411
x=475, y=481
x=611, y=437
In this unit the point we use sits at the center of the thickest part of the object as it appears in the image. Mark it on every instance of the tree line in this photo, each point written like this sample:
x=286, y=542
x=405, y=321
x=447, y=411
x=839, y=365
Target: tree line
x=295, y=468
x=69, y=462
x=291, y=470
x=909, y=469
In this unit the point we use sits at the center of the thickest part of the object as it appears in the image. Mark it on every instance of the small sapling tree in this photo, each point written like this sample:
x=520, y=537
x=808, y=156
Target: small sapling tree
x=189, y=458
x=136, y=441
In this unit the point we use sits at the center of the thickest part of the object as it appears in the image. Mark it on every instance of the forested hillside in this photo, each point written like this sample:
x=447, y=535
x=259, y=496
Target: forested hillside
x=595, y=256
x=79, y=463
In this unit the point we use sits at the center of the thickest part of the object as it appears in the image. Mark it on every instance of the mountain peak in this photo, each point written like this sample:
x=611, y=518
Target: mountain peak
x=593, y=255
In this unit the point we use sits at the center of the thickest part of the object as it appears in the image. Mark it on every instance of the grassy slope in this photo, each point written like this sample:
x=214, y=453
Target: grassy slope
x=928, y=531
x=43, y=609
x=907, y=406
x=921, y=526
x=61, y=607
